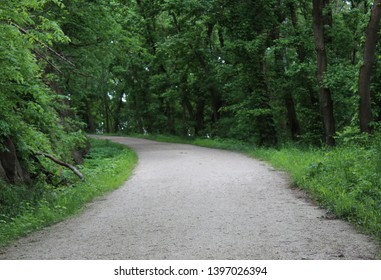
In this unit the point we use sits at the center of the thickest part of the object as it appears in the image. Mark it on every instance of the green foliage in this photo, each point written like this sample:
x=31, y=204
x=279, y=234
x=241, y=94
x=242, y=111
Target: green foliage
x=344, y=180
x=352, y=184
x=290, y=158
x=33, y=114
x=27, y=115
x=238, y=70
x=106, y=167
x=231, y=69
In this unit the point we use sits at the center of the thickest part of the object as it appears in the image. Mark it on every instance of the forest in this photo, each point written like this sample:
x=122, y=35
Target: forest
x=268, y=74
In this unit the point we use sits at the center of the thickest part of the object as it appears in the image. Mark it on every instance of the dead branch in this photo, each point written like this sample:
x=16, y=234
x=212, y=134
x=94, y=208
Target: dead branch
x=59, y=162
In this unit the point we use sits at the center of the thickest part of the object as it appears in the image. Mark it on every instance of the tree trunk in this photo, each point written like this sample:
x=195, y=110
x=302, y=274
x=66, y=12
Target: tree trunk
x=285, y=92
x=292, y=117
x=10, y=167
x=366, y=68
x=325, y=94
x=171, y=121
x=91, y=127
x=200, y=107
x=107, y=113
x=265, y=122
x=117, y=113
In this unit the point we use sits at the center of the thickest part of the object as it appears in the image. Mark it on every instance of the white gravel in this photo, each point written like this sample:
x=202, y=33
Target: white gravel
x=187, y=202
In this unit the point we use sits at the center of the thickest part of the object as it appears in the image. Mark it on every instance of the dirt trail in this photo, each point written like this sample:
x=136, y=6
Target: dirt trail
x=187, y=202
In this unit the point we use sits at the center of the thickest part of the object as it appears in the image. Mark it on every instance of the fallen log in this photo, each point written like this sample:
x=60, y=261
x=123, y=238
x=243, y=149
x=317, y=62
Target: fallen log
x=67, y=165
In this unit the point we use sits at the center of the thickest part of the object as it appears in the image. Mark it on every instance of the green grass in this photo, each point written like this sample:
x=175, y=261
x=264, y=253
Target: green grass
x=105, y=168
x=217, y=143
x=345, y=180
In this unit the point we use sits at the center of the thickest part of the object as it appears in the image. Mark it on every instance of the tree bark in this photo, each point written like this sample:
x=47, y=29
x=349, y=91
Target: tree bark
x=10, y=167
x=366, y=68
x=325, y=93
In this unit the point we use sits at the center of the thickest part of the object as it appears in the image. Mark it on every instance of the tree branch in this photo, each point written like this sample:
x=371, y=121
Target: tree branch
x=23, y=31
x=67, y=165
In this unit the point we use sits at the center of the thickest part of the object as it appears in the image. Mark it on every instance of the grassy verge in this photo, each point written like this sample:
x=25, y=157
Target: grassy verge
x=224, y=144
x=106, y=167
x=345, y=180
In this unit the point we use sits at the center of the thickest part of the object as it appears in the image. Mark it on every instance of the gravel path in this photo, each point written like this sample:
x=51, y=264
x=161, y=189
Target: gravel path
x=187, y=202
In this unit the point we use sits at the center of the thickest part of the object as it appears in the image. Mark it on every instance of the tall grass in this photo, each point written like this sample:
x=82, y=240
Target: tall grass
x=105, y=168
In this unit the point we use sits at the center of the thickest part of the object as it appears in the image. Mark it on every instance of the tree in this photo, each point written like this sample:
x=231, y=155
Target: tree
x=95, y=36
x=325, y=94
x=364, y=89
x=235, y=69
x=247, y=38
x=30, y=120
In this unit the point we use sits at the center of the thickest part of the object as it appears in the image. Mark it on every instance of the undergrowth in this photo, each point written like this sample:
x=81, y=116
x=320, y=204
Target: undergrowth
x=23, y=209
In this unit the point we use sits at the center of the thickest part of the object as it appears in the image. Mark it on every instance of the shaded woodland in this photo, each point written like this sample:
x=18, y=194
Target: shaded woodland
x=264, y=72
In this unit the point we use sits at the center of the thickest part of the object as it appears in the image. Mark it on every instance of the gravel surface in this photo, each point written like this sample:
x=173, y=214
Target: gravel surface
x=187, y=202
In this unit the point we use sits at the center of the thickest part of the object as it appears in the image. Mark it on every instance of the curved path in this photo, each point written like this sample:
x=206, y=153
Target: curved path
x=187, y=202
